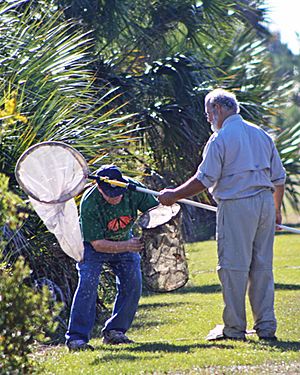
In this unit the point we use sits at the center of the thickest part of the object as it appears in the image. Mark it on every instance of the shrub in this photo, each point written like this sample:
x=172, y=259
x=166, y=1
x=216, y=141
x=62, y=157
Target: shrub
x=9, y=202
x=25, y=315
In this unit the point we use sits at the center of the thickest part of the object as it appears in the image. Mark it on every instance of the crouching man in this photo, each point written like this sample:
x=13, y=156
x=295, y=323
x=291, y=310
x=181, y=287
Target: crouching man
x=107, y=215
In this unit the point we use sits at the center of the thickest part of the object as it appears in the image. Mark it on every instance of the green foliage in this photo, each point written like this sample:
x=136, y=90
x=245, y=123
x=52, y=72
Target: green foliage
x=9, y=202
x=288, y=145
x=174, y=125
x=167, y=55
x=25, y=317
x=25, y=314
x=130, y=32
x=287, y=69
x=48, y=91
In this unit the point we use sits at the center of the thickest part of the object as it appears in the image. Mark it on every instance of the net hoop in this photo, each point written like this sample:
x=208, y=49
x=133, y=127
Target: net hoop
x=158, y=215
x=66, y=195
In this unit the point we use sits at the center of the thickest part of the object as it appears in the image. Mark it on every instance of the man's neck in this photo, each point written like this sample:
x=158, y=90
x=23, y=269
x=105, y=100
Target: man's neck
x=227, y=114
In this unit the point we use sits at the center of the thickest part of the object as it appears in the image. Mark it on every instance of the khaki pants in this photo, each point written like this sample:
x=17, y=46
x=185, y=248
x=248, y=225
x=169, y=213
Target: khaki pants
x=245, y=234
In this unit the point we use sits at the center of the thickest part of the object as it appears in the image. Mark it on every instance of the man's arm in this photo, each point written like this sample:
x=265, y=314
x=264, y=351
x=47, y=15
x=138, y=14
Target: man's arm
x=278, y=196
x=191, y=187
x=133, y=245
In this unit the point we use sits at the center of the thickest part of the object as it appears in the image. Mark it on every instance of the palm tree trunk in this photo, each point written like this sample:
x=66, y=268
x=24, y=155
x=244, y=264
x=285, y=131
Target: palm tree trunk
x=164, y=264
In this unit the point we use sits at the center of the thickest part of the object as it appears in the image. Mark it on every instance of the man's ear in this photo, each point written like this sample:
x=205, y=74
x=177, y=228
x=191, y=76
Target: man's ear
x=218, y=108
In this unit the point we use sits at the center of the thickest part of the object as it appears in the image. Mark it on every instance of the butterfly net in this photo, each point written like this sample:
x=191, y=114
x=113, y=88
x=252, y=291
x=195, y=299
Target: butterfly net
x=52, y=174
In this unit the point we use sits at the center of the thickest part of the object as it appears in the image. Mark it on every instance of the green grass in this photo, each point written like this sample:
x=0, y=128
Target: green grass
x=170, y=328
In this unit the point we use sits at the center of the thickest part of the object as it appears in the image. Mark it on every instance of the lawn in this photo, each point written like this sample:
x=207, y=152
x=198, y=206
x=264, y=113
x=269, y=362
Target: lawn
x=170, y=329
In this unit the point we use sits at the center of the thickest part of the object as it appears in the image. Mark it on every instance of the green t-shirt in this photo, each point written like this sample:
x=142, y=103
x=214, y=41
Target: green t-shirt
x=100, y=220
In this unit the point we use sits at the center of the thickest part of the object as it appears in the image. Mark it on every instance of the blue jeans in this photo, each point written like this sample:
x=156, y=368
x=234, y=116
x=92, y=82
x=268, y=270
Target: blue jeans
x=126, y=267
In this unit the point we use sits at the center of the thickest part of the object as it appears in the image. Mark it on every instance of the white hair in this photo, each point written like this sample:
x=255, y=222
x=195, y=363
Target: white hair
x=224, y=98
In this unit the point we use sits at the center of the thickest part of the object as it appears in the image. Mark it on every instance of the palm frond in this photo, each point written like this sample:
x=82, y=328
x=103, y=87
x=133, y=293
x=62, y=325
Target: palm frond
x=45, y=64
x=288, y=145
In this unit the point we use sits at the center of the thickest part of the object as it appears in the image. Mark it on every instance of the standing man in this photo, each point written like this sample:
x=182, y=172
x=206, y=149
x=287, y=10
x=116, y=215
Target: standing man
x=242, y=170
x=107, y=215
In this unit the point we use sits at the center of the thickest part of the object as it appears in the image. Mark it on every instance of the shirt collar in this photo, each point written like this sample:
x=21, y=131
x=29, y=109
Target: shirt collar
x=231, y=118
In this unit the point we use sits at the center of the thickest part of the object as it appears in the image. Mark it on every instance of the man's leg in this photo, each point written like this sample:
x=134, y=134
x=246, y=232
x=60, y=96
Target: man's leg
x=83, y=310
x=261, y=282
x=236, y=227
x=234, y=286
x=127, y=269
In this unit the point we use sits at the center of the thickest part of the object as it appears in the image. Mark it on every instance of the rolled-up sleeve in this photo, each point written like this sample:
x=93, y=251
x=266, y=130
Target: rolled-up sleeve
x=277, y=172
x=210, y=169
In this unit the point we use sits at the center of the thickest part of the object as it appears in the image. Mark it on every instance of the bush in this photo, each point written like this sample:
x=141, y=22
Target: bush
x=25, y=316
x=9, y=203
x=25, y=313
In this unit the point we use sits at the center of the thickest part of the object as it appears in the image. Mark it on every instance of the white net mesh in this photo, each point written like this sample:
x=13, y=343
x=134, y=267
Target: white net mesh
x=52, y=173
x=61, y=219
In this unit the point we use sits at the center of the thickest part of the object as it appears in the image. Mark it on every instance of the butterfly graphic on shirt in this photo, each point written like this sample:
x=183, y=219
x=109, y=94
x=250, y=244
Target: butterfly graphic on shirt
x=119, y=223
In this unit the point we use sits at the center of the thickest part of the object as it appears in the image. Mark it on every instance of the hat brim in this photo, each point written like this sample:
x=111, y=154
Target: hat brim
x=110, y=190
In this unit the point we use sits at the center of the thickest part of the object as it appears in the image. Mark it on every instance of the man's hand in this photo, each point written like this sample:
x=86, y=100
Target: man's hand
x=278, y=219
x=191, y=187
x=278, y=197
x=167, y=197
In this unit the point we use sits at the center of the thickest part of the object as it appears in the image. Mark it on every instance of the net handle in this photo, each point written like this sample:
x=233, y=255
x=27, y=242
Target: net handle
x=185, y=201
x=81, y=160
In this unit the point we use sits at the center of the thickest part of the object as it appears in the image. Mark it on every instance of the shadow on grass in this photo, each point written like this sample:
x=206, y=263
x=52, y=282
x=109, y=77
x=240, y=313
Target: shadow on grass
x=116, y=357
x=287, y=286
x=173, y=348
x=284, y=346
x=202, y=289
x=216, y=288
x=156, y=348
x=146, y=306
x=211, y=289
x=149, y=324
